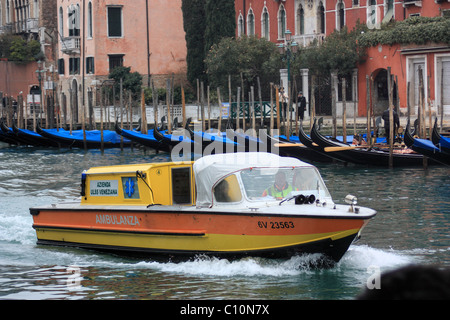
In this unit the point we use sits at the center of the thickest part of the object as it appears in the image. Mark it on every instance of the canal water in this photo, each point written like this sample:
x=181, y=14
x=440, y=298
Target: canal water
x=412, y=227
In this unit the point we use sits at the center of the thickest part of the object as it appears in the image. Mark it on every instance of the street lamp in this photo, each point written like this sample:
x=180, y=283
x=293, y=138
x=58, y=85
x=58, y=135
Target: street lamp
x=288, y=47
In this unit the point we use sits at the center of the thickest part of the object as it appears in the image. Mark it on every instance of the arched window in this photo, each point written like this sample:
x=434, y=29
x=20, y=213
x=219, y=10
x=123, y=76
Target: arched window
x=340, y=15
x=8, y=11
x=250, y=23
x=27, y=9
x=281, y=22
x=36, y=9
x=265, y=26
x=321, y=17
x=300, y=20
x=388, y=10
x=389, y=5
x=240, y=25
x=61, y=21
x=74, y=21
x=372, y=14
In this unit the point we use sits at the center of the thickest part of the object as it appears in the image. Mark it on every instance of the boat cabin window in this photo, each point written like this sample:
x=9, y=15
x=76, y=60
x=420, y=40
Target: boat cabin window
x=181, y=185
x=228, y=190
x=275, y=183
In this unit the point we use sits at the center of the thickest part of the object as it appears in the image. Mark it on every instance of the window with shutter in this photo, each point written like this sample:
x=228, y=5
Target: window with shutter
x=114, y=21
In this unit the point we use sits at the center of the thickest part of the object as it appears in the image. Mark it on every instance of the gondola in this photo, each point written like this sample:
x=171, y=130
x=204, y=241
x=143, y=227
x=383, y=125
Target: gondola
x=307, y=141
x=174, y=139
x=427, y=148
x=4, y=137
x=366, y=155
x=213, y=142
x=294, y=149
x=147, y=140
x=196, y=141
x=439, y=141
x=75, y=139
x=8, y=136
x=34, y=139
x=248, y=142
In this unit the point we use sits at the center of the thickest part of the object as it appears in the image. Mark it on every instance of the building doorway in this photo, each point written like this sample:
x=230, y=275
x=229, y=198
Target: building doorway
x=380, y=91
x=35, y=101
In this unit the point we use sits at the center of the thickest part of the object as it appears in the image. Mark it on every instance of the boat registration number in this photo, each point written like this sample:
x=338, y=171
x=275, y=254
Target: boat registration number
x=276, y=225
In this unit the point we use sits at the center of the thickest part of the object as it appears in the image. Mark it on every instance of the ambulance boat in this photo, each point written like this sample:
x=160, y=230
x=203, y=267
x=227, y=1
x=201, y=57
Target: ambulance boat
x=226, y=205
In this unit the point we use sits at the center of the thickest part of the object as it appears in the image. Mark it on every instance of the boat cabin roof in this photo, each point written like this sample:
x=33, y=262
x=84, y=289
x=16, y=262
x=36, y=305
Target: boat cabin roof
x=186, y=183
x=211, y=170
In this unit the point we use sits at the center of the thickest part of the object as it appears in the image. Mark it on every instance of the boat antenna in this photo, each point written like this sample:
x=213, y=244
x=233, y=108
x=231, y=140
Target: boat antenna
x=141, y=175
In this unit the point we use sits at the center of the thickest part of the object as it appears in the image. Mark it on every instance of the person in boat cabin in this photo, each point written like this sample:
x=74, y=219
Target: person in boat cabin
x=280, y=188
x=385, y=117
x=302, y=181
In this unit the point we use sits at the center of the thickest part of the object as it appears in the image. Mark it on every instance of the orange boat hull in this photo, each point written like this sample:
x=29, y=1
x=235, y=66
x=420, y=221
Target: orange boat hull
x=194, y=231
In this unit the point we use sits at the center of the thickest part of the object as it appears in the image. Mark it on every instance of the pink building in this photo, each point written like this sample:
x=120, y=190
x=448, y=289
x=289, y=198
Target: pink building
x=31, y=20
x=99, y=35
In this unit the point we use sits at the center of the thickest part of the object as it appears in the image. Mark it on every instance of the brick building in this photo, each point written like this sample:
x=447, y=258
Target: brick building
x=315, y=19
x=83, y=40
x=31, y=20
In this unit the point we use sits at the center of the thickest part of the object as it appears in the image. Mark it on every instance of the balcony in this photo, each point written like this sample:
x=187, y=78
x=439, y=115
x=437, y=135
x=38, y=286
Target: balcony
x=7, y=28
x=70, y=45
x=32, y=25
x=408, y=3
x=21, y=27
x=305, y=40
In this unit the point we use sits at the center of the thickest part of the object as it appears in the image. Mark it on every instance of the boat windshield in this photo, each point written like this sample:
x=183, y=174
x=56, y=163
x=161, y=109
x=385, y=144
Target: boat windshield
x=278, y=183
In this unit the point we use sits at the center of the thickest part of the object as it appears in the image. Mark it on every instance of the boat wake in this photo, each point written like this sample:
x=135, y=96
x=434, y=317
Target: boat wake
x=357, y=258
x=363, y=256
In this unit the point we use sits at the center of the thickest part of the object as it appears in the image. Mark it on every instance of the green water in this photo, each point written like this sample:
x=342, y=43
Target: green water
x=412, y=227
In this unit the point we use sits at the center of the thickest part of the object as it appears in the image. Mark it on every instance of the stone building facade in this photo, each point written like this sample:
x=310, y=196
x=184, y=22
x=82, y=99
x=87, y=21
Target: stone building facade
x=98, y=35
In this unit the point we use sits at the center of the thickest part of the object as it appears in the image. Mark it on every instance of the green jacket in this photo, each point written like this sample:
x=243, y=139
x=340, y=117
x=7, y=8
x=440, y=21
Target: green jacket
x=274, y=192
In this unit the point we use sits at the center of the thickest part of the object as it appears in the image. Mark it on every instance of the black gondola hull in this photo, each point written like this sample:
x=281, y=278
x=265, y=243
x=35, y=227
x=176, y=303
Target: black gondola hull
x=431, y=152
x=366, y=156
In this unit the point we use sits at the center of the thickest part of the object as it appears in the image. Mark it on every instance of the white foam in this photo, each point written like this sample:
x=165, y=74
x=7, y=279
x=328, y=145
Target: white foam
x=17, y=228
x=363, y=256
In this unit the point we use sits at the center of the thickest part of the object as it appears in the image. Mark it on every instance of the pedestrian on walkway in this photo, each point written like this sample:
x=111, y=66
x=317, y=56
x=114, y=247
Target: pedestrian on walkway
x=283, y=100
x=301, y=105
